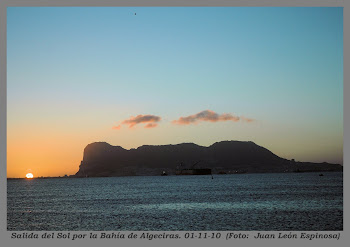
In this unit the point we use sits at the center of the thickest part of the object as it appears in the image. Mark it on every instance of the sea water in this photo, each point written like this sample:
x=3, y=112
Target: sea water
x=238, y=202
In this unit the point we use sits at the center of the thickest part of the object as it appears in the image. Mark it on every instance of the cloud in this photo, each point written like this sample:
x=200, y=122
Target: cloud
x=151, y=125
x=209, y=116
x=150, y=121
x=117, y=127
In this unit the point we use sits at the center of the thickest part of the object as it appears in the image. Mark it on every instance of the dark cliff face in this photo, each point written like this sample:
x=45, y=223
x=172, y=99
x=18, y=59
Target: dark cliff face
x=235, y=152
x=98, y=151
x=103, y=159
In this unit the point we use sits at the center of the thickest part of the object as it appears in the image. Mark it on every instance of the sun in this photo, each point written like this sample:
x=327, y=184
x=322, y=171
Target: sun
x=29, y=175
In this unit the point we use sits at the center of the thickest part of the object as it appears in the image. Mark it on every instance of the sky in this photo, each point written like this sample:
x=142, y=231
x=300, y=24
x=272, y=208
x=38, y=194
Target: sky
x=134, y=76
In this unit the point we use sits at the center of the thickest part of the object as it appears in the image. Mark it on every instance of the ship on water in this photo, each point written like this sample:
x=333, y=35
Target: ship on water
x=192, y=171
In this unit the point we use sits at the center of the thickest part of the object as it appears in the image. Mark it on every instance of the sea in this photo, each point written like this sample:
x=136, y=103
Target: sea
x=235, y=202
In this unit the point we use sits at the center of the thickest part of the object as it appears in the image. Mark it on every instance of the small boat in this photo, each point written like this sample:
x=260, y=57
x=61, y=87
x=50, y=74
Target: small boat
x=320, y=175
x=164, y=173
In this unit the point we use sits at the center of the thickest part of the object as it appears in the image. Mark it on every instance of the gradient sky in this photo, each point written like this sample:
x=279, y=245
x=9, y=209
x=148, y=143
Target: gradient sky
x=79, y=75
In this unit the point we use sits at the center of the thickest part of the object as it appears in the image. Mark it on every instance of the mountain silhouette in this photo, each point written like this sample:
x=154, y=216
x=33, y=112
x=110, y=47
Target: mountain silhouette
x=104, y=160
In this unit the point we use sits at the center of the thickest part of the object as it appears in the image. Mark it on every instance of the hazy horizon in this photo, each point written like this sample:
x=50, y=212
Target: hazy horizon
x=133, y=76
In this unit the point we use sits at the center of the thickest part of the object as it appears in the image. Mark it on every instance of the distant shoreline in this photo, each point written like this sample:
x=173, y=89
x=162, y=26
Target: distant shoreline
x=73, y=176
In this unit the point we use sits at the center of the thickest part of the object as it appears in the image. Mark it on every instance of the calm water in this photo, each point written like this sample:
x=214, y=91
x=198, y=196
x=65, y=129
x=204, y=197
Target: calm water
x=242, y=202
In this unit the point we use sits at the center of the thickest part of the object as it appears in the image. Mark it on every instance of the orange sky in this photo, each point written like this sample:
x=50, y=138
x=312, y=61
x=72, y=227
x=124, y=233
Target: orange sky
x=57, y=152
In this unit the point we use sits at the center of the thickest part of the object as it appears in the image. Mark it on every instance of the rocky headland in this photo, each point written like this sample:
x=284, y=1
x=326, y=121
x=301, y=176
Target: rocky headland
x=227, y=157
